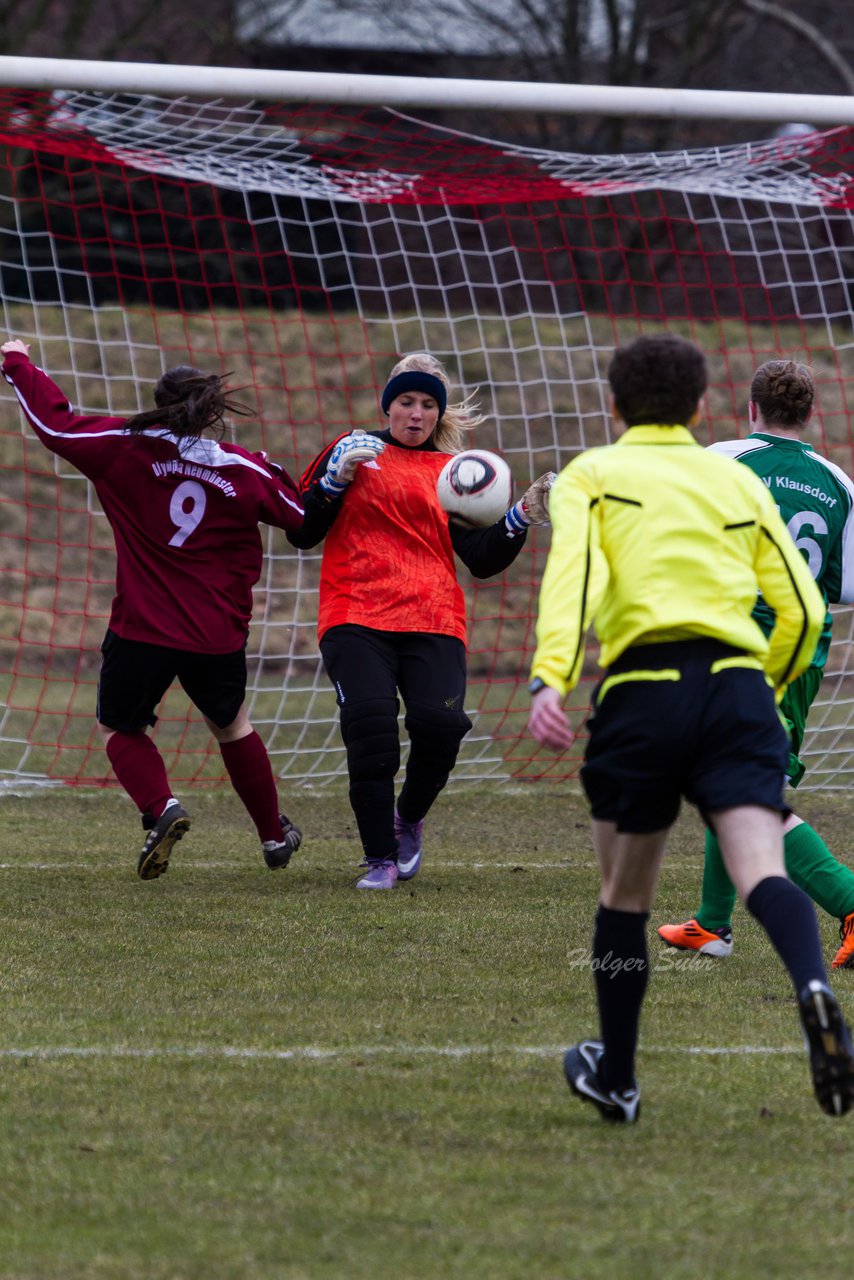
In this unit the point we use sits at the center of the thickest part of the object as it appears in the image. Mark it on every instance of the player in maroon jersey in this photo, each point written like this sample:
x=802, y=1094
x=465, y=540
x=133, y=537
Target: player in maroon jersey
x=184, y=509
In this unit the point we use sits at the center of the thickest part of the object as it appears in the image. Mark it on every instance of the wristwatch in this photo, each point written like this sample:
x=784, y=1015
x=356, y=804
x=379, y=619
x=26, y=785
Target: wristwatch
x=536, y=685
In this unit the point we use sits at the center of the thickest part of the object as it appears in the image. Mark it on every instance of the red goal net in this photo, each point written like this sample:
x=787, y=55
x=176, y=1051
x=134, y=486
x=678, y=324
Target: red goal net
x=303, y=250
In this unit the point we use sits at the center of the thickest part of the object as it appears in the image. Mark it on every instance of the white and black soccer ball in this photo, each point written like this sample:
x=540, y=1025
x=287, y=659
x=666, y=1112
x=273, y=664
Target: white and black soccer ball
x=477, y=486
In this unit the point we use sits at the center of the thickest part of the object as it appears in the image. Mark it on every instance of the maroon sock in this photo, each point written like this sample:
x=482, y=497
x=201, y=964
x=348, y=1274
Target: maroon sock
x=139, y=768
x=251, y=776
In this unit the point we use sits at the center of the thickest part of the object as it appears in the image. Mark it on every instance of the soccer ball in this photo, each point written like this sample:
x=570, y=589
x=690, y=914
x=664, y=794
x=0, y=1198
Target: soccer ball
x=477, y=486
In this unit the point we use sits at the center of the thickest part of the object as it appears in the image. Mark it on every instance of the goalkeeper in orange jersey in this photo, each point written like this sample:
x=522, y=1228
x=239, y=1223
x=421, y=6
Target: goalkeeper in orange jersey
x=392, y=615
x=816, y=500
x=664, y=546
x=184, y=509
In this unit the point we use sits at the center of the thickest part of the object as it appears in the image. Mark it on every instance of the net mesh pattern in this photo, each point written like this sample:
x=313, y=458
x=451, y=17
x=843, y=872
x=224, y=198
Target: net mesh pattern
x=302, y=250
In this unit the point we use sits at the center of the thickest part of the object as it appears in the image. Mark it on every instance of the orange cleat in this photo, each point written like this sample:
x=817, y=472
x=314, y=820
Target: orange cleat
x=844, y=958
x=691, y=936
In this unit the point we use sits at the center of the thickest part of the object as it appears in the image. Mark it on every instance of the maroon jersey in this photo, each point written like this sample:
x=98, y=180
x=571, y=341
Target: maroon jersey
x=184, y=514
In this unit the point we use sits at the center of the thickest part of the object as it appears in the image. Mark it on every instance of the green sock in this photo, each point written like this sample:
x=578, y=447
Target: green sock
x=814, y=869
x=718, y=893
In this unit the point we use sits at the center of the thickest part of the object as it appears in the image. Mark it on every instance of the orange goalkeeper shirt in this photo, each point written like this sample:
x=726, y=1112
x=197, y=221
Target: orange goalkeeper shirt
x=388, y=562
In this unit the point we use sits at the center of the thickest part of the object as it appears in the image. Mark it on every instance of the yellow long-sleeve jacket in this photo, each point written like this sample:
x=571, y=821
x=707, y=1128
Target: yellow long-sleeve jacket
x=655, y=539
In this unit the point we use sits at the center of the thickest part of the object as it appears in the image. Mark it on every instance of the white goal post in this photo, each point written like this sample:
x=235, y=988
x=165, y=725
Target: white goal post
x=301, y=230
x=420, y=92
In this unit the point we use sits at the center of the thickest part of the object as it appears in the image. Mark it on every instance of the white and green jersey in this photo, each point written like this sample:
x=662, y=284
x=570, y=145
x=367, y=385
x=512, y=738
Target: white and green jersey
x=816, y=500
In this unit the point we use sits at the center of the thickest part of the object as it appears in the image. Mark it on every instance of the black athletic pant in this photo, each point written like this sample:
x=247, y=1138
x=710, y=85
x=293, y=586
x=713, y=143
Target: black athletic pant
x=368, y=668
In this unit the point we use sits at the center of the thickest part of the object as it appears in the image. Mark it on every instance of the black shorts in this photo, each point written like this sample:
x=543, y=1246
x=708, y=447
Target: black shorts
x=364, y=664
x=694, y=718
x=135, y=676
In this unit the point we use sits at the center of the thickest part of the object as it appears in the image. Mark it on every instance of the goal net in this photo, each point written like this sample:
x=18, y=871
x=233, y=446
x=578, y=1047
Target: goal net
x=303, y=249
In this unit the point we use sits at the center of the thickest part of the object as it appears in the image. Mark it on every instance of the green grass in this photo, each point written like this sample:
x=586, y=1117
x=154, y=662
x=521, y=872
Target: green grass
x=285, y=1078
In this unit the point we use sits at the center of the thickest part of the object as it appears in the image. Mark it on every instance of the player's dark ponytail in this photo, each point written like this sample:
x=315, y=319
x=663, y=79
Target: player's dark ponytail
x=189, y=403
x=784, y=393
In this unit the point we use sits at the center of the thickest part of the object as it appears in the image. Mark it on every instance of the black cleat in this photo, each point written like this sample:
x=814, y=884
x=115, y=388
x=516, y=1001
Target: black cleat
x=278, y=853
x=829, y=1042
x=163, y=833
x=580, y=1066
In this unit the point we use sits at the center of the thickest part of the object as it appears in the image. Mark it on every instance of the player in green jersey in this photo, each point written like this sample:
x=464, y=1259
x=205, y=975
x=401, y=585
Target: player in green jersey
x=816, y=500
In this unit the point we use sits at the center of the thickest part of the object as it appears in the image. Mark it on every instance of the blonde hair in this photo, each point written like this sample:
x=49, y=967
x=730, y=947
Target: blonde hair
x=458, y=418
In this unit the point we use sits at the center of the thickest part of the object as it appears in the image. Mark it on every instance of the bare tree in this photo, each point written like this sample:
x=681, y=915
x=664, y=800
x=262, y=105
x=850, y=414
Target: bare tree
x=819, y=42
x=668, y=43
x=138, y=30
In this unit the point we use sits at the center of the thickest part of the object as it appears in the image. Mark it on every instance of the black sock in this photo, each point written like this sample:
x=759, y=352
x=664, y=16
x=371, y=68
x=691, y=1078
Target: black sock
x=620, y=971
x=788, y=917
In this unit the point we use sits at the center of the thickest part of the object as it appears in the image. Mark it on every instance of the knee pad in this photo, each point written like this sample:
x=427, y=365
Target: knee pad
x=369, y=730
x=437, y=727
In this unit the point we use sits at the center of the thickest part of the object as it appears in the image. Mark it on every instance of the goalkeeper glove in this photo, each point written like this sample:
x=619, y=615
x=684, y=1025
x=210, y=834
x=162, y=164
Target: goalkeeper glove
x=350, y=450
x=533, y=506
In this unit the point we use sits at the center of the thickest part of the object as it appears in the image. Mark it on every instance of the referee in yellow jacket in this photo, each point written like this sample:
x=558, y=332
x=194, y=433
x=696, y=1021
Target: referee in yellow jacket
x=664, y=545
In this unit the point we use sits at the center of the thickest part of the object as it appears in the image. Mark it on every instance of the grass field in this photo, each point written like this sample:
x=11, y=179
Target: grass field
x=230, y=1073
